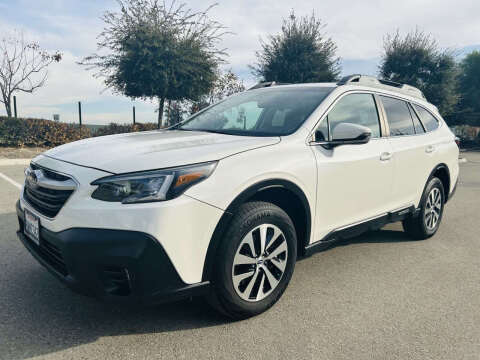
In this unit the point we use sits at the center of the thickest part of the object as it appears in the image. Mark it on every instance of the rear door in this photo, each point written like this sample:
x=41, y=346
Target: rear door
x=354, y=181
x=410, y=150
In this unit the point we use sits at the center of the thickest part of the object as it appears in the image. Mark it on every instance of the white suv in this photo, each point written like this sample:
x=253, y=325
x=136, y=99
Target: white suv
x=224, y=203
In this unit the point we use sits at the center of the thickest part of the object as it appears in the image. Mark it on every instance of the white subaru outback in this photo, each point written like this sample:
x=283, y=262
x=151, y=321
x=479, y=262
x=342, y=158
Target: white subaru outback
x=223, y=204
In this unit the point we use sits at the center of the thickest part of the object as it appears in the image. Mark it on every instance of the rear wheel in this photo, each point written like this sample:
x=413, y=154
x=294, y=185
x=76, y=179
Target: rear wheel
x=428, y=220
x=255, y=261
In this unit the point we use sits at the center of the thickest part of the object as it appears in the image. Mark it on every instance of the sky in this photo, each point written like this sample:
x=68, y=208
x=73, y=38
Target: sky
x=357, y=27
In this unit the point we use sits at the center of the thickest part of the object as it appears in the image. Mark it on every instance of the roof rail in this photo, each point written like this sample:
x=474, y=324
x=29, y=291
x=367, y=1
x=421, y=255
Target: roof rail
x=358, y=79
x=266, y=84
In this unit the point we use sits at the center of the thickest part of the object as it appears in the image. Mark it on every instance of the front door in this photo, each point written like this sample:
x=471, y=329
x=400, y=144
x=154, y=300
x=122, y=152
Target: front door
x=354, y=181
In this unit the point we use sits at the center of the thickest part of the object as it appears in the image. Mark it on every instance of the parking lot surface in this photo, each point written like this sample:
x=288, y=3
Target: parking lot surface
x=378, y=296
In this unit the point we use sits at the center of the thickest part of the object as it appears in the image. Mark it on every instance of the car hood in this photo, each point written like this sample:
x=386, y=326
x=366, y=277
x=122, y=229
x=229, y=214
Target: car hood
x=154, y=149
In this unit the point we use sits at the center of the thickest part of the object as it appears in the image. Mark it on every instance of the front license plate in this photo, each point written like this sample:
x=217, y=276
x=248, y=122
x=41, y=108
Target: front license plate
x=32, y=227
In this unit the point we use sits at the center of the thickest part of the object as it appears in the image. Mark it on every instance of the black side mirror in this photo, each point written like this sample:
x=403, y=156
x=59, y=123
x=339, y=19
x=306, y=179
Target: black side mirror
x=346, y=134
x=320, y=136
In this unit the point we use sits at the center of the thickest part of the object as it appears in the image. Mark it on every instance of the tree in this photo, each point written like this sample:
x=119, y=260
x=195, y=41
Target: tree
x=23, y=67
x=226, y=84
x=469, y=85
x=417, y=60
x=176, y=111
x=158, y=51
x=299, y=53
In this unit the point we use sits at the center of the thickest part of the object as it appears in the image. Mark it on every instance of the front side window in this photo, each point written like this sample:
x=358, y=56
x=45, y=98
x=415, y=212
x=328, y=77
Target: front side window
x=356, y=109
x=398, y=116
x=264, y=112
x=428, y=120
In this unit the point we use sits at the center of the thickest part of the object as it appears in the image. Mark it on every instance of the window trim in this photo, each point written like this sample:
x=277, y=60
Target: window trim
x=421, y=121
x=440, y=123
x=412, y=113
x=311, y=136
x=385, y=129
x=385, y=123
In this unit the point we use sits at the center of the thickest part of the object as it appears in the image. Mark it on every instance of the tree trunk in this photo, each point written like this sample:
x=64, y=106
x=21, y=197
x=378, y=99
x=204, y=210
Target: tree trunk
x=8, y=106
x=160, y=111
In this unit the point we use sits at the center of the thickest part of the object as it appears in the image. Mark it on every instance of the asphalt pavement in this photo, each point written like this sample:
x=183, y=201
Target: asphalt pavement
x=379, y=296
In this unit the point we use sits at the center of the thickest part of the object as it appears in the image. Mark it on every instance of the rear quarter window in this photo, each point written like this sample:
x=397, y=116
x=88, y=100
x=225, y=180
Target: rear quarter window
x=429, y=121
x=416, y=121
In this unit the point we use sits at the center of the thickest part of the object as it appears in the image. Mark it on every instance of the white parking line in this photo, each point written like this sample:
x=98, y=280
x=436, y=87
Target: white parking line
x=11, y=181
x=10, y=162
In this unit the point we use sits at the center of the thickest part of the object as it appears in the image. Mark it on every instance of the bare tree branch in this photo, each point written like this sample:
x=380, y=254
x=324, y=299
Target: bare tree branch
x=23, y=67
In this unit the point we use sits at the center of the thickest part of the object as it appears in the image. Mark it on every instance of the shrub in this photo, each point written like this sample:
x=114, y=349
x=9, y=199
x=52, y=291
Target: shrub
x=125, y=128
x=47, y=133
x=38, y=132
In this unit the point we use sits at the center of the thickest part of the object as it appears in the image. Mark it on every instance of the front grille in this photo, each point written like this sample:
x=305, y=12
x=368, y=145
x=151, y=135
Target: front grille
x=47, y=201
x=50, y=174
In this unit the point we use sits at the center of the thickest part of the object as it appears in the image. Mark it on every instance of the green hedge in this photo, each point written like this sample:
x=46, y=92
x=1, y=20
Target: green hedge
x=38, y=132
x=125, y=128
x=47, y=133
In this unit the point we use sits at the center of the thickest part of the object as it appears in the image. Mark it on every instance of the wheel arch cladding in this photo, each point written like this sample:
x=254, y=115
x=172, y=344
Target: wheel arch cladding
x=442, y=172
x=283, y=193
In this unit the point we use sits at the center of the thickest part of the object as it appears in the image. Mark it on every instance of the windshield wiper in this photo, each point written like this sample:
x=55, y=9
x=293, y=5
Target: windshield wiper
x=224, y=132
x=213, y=131
x=177, y=127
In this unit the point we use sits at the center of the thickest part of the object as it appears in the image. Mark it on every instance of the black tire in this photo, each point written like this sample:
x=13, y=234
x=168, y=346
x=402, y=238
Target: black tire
x=224, y=296
x=417, y=226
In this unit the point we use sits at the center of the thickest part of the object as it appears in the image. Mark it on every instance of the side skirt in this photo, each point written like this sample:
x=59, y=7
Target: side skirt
x=359, y=228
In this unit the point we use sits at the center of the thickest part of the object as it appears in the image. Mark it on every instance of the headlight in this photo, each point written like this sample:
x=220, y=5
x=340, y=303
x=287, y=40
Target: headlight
x=147, y=186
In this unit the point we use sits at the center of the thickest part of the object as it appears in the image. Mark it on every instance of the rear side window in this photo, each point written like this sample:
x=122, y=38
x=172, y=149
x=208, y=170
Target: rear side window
x=398, y=116
x=356, y=109
x=416, y=121
x=428, y=120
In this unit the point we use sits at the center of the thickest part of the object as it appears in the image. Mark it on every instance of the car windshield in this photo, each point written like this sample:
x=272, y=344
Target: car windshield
x=262, y=112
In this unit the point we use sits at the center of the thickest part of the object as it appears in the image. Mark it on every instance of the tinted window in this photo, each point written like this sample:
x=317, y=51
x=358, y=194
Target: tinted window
x=263, y=112
x=416, y=121
x=398, y=116
x=356, y=109
x=428, y=119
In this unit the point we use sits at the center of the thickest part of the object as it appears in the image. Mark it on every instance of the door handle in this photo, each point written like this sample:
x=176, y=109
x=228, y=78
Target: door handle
x=429, y=149
x=385, y=156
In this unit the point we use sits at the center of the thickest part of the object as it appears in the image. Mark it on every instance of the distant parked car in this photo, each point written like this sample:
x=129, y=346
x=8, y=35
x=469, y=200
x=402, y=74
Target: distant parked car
x=224, y=203
x=457, y=141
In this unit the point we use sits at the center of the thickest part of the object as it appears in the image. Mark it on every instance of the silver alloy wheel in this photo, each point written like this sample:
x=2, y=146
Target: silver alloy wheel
x=260, y=262
x=433, y=208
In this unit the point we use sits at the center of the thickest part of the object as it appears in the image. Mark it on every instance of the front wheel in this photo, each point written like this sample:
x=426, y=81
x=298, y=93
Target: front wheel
x=428, y=220
x=255, y=261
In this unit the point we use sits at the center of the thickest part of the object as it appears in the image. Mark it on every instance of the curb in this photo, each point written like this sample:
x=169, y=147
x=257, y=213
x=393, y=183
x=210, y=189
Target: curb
x=10, y=162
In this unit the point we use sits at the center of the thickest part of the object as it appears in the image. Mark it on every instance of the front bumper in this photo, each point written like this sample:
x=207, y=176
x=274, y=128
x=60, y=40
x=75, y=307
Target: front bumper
x=113, y=265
